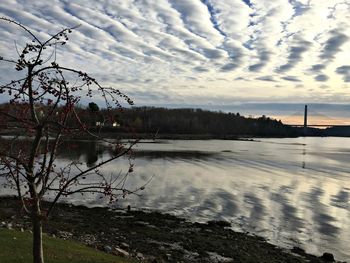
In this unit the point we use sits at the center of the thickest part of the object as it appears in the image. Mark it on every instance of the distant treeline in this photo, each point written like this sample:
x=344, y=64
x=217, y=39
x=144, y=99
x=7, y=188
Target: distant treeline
x=161, y=121
x=198, y=121
x=172, y=122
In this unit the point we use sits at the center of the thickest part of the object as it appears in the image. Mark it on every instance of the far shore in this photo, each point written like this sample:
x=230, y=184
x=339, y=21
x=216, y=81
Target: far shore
x=150, y=236
x=151, y=136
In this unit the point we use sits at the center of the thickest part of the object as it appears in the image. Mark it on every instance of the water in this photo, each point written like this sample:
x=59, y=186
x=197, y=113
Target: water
x=293, y=192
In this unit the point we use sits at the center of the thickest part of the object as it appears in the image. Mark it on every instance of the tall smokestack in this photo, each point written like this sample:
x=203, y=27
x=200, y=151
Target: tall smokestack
x=305, y=120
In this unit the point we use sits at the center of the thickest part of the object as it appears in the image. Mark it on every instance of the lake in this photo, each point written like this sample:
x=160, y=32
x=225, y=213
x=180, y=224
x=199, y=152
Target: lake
x=293, y=192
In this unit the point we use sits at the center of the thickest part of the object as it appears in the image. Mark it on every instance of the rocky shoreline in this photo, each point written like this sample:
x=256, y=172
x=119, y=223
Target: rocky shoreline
x=154, y=237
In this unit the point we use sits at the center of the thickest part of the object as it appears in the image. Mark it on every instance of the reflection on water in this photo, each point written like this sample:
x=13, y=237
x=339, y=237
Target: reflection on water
x=341, y=199
x=290, y=191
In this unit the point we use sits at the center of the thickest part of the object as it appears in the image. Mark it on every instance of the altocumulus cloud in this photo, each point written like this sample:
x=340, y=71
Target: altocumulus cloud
x=197, y=51
x=345, y=72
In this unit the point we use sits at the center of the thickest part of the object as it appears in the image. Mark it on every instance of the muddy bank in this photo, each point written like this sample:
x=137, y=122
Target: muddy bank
x=152, y=236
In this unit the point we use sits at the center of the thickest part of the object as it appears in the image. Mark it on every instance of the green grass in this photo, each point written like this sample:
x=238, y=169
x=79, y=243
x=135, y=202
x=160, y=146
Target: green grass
x=16, y=246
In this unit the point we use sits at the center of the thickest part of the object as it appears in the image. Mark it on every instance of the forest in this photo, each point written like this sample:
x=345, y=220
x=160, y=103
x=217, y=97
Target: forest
x=162, y=121
x=152, y=120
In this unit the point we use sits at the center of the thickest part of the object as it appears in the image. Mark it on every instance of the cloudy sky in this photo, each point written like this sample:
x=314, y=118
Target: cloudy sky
x=210, y=53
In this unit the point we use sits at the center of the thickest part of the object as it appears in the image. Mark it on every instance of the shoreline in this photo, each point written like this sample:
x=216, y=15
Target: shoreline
x=150, y=236
x=170, y=136
x=151, y=136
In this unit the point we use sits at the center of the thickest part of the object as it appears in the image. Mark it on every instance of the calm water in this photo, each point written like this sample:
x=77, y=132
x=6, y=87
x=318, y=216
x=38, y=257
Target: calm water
x=290, y=191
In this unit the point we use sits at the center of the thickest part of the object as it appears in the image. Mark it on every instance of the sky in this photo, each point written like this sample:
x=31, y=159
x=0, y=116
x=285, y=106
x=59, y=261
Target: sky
x=214, y=54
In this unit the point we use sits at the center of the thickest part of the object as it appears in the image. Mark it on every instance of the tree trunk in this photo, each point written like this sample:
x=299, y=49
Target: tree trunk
x=38, y=256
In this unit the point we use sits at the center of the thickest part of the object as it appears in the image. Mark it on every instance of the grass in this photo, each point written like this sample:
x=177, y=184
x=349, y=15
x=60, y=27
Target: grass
x=16, y=246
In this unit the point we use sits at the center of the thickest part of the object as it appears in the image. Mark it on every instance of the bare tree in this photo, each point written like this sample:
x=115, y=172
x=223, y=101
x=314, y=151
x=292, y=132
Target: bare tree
x=42, y=109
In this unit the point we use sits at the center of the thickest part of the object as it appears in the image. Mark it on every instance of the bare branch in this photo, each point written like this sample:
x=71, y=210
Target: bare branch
x=43, y=106
x=21, y=26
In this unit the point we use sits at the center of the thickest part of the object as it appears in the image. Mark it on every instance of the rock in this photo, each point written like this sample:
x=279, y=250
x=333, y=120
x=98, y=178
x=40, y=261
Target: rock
x=124, y=245
x=298, y=250
x=121, y=252
x=88, y=239
x=14, y=238
x=122, y=217
x=216, y=258
x=22, y=230
x=141, y=223
x=328, y=257
x=108, y=249
x=139, y=255
x=9, y=225
x=152, y=259
x=196, y=224
x=219, y=223
x=3, y=224
x=64, y=234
